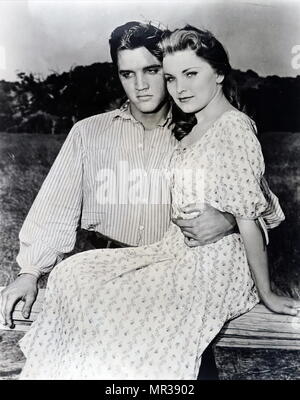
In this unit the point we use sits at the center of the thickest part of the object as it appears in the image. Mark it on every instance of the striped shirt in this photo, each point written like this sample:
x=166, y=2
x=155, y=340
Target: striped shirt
x=106, y=178
x=273, y=215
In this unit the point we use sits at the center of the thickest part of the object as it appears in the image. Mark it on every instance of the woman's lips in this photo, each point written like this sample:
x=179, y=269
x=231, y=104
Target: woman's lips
x=185, y=99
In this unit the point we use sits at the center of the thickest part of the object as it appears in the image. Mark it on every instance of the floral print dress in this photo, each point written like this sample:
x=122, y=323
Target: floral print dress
x=149, y=312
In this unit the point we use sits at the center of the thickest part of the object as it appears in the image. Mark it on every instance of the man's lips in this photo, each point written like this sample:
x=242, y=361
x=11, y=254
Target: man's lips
x=144, y=96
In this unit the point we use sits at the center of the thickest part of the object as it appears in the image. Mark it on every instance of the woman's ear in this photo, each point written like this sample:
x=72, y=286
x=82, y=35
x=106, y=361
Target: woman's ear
x=220, y=78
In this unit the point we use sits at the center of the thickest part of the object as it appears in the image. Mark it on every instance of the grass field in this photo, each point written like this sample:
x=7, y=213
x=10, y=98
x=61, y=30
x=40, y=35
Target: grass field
x=24, y=163
x=25, y=160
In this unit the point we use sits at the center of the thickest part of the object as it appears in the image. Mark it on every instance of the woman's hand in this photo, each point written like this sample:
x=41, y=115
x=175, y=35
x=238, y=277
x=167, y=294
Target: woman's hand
x=282, y=304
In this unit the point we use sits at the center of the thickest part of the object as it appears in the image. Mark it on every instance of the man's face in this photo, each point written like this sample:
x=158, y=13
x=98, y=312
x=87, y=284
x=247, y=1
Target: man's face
x=142, y=78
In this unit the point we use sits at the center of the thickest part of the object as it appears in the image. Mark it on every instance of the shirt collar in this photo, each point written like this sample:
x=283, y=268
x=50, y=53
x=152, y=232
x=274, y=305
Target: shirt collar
x=124, y=113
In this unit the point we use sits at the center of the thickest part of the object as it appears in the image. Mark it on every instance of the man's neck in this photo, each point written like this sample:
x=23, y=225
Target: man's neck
x=151, y=120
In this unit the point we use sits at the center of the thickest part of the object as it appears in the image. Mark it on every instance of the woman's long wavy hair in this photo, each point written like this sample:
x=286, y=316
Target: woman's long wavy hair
x=206, y=46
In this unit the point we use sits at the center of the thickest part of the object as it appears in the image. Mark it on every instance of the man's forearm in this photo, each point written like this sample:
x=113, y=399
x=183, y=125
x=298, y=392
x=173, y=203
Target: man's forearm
x=209, y=226
x=49, y=230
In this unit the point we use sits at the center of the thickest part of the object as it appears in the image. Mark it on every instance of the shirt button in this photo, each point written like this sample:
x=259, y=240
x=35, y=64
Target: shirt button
x=141, y=228
x=140, y=145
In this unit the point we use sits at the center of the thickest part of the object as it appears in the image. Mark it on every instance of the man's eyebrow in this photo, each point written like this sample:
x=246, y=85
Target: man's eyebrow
x=153, y=66
x=145, y=68
x=122, y=71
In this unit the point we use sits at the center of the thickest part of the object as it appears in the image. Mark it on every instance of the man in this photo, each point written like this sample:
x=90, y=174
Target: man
x=98, y=179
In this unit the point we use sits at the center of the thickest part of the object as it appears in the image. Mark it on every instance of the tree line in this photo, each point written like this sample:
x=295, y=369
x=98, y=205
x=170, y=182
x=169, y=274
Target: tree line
x=53, y=104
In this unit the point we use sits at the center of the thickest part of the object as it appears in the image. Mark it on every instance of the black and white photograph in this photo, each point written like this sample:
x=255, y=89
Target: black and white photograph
x=150, y=192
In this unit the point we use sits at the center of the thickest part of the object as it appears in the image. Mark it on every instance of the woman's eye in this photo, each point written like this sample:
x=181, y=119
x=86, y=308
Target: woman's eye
x=169, y=79
x=191, y=74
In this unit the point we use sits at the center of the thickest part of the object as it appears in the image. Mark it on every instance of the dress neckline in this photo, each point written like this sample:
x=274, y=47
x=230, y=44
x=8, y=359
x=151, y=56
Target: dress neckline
x=184, y=147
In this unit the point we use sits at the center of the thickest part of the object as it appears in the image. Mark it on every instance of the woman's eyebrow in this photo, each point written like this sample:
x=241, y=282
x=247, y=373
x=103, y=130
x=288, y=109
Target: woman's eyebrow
x=187, y=69
x=183, y=71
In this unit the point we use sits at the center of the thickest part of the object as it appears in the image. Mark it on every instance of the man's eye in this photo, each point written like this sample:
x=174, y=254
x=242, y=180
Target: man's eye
x=126, y=75
x=153, y=71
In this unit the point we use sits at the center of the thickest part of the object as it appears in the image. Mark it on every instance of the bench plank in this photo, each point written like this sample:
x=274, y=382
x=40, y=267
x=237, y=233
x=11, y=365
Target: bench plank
x=258, y=328
x=261, y=328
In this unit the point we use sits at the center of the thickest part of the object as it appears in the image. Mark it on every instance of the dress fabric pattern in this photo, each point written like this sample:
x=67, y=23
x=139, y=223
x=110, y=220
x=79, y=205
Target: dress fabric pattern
x=149, y=312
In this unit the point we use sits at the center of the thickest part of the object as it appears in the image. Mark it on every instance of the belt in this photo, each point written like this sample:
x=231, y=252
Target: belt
x=103, y=242
x=100, y=241
x=235, y=229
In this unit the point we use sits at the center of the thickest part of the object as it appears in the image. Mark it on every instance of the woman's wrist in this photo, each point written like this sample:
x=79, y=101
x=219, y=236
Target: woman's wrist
x=265, y=293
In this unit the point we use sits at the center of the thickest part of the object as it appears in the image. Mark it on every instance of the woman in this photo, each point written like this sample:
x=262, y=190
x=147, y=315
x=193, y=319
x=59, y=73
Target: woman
x=149, y=312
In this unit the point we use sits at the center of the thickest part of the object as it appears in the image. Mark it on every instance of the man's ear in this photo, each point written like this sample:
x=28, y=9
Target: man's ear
x=220, y=78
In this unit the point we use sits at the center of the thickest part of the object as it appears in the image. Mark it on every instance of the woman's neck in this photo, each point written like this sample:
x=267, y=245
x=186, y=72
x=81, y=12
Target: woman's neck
x=207, y=116
x=216, y=107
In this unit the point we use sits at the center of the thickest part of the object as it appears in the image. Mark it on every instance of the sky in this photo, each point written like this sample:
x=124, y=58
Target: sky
x=43, y=36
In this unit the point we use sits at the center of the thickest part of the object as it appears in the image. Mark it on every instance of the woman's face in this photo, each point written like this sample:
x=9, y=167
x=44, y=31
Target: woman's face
x=191, y=81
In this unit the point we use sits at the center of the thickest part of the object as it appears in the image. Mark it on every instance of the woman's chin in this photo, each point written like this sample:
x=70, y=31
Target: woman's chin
x=187, y=108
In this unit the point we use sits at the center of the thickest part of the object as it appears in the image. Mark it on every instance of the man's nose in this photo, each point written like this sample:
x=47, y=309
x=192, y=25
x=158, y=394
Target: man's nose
x=141, y=83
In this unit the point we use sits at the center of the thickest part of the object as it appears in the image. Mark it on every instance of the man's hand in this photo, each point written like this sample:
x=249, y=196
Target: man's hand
x=208, y=227
x=25, y=288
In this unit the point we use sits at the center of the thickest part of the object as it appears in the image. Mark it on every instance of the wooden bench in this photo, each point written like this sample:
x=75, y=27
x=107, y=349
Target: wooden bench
x=257, y=345
x=259, y=328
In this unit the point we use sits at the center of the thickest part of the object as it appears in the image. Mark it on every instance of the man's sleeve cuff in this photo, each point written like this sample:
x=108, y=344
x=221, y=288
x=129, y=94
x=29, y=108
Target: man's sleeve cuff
x=31, y=270
x=264, y=229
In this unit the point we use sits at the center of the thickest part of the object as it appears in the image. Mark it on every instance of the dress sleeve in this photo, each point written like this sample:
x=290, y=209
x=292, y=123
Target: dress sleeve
x=239, y=169
x=49, y=230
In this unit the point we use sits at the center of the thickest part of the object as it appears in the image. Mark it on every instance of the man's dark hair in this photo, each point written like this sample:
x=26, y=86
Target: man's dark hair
x=133, y=35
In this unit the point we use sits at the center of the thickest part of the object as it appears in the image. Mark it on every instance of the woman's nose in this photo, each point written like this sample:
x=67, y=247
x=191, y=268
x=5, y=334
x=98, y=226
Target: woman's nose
x=180, y=87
